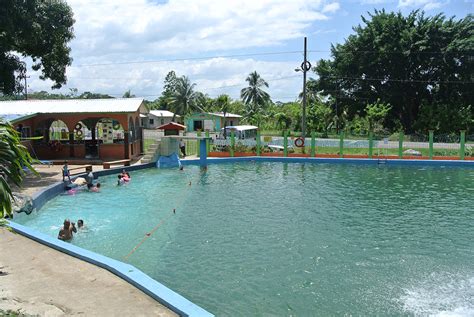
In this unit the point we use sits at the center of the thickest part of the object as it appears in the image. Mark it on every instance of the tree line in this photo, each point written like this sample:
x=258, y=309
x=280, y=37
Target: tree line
x=394, y=73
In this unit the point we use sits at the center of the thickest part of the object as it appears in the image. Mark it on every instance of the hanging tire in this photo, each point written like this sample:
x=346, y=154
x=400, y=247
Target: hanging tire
x=299, y=142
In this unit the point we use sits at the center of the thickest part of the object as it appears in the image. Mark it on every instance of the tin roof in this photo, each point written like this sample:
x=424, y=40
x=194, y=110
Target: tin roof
x=26, y=107
x=163, y=113
x=227, y=115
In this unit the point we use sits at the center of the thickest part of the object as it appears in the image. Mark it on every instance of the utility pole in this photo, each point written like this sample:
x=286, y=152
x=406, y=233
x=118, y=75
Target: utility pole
x=305, y=66
x=25, y=77
x=26, y=88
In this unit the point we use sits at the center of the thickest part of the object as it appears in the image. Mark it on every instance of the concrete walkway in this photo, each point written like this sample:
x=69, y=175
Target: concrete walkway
x=37, y=280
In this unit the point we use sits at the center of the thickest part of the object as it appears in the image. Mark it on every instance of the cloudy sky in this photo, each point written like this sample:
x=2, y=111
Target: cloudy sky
x=125, y=45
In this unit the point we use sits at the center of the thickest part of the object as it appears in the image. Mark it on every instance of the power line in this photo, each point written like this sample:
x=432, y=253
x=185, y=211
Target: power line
x=402, y=80
x=190, y=58
x=263, y=54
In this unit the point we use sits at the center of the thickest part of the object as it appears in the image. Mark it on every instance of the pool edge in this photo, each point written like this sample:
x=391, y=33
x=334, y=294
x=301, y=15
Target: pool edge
x=167, y=297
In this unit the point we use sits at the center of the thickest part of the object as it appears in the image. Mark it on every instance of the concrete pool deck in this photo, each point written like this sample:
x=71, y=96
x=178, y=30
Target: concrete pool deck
x=38, y=280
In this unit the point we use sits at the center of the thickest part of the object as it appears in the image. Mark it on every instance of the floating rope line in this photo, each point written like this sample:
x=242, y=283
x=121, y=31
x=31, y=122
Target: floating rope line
x=148, y=234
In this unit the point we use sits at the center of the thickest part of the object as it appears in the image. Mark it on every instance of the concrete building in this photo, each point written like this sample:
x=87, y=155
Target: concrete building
x=156, y=118
x=211, y=121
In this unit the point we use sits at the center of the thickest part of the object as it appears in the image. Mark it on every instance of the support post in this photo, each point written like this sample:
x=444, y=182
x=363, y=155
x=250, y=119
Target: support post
x=341, y=144
x=313, y=144
x=431, y=134
x=203, y=156
x=198, y=150
x=208, y=145
x=71, y=144
x=400, y=145
x=258, y=143
x=462, y=145
x=371, y=144
x=232, y=143
x=285, y=143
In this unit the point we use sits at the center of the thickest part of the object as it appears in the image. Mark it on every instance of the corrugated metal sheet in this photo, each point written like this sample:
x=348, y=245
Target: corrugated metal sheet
x=163, y=113
x=24, y=107
x=227, y=115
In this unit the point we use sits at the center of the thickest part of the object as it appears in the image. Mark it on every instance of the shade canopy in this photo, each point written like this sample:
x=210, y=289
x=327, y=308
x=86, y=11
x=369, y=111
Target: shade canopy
x=172, y=126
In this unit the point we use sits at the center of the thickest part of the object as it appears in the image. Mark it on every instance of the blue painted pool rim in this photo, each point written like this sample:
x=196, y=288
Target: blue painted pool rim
x=156, y=290
x=315, y=160
x=129, y=273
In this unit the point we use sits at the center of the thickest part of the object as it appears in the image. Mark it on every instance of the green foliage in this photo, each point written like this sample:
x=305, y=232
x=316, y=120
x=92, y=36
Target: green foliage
x=375, y=114
x=405, y=61
x=320, y=117
x=255, y=99
x=39, y=29
x=183, y=98
x=13, y=158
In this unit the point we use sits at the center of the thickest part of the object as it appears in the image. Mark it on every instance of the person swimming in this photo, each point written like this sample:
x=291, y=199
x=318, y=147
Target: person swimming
x=66, y=232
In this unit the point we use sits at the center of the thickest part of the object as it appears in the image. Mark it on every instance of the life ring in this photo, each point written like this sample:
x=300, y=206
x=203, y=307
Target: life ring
x=116, y=126
x=78, y=126
x=79, y=133
x=299, y=142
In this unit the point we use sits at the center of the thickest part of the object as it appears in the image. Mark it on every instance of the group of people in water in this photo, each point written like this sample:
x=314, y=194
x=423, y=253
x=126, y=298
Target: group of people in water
x=86, y=183
x=69, y=228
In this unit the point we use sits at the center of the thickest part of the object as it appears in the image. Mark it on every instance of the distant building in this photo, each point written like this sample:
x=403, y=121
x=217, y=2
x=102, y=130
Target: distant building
x=211, y=121
x=156, y=118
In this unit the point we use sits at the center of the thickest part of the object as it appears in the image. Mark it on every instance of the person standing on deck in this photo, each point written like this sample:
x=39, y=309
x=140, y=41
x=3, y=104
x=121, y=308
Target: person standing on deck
x=182, y=146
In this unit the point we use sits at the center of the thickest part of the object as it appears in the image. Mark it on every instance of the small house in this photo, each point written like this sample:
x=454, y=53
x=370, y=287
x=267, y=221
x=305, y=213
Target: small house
x=211, y=121
x=156, y=118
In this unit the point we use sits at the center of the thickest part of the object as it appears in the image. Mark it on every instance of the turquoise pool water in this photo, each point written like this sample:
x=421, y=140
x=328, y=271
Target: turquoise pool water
x=276, y=239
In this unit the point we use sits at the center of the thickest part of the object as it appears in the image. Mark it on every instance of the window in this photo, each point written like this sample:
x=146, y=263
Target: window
x=152, y=121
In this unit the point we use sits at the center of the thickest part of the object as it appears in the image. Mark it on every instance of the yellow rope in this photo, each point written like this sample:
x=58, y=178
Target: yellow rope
x=148, y=234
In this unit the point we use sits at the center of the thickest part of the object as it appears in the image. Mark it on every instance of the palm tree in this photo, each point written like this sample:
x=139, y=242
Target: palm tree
x=184, y=99
x=13, y=158
x=223, y=104
x=128, y=94
x=253, y=96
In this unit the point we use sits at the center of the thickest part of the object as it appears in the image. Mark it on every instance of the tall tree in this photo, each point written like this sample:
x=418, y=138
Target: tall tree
x=407, y=62
x=183, y=99
x=39, y=29
x=13, y=158
x=253, y=96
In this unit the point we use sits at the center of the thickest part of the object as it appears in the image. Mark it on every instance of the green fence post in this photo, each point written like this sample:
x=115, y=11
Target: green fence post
x=431, y=144
x=232, y=143
x=197, y=144
x=258, y=143
x=400, y=145
x=462, y=145
x=371, y=143
x=313, y=144
x=208, y=145
x=285, y=143
x=341, y=144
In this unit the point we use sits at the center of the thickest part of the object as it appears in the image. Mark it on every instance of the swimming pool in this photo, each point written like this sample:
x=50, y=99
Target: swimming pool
x=289, y=239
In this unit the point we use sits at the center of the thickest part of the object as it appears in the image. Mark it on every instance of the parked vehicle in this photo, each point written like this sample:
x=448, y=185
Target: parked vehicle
x=241, y=132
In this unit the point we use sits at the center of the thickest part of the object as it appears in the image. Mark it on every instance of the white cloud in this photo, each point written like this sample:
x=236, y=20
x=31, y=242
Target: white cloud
x=139, y=27
x=424, y=4
x=113, y=31
x=331, y=7
x=212, y=76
